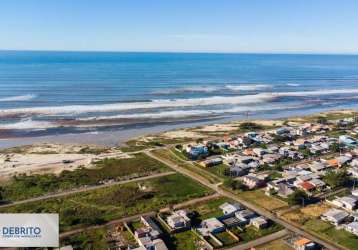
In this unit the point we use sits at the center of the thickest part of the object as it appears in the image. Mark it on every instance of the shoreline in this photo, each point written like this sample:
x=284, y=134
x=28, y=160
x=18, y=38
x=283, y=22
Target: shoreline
x=119, y=137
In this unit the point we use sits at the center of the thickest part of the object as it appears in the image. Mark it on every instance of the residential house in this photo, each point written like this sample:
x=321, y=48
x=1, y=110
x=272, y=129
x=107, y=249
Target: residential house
x=335, y=216
x=197, y=151
x=352, y=227
x=212, y=225
x=354, y=192
x=259, y=151
x=211, y=162
x=148, y=222
x=270, y=158
x=232, y=222
x=239, y=170
x=252, y=182
x=259, y=222
x=229, y=209
x=318, y=183
x=317, y=149
x=306, y=186
x=245, y=215
x=347, y=202
x=282, y=131
x=344, y=159
x=304, y=244
x=179, y=220
x=353, y=171
x=347, y=141
x=318, y=166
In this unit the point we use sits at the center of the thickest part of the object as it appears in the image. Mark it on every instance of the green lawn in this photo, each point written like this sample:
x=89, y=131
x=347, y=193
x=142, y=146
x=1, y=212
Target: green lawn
x=259, y=198
x=169, y=155
x=184, y=241
x=23, y=186
x=226, y=238
x=309, y=219
x=328, y=231
x=102, y=205
x=93, y=239
x=209, y=209
x=96, y=239
x=275, y=245
x=251, y=233
x=219, y=170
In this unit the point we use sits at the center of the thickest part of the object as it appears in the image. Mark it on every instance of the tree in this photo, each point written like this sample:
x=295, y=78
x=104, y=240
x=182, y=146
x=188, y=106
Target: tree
x=335, y=147
x=1, y=194
x=297, y=197
x=336, y=179
x=250, y=126
x=322, y=120
x=234, y=184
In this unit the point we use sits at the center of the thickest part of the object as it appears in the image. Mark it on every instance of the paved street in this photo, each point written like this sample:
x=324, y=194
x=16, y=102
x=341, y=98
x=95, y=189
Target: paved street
x=258, y=210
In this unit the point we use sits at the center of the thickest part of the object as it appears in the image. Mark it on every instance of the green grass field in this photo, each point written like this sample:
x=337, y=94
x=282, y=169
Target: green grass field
x=250, y=233
x=258, y=198
x=309, y=219
x=169, y=155
x=23, y=186
x=275, y=245
x=226, y=238
x=102, y=205
x=328, y=231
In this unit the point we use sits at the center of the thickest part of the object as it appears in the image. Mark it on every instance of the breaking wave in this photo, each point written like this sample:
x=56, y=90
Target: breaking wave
x=17, y=98
x=163, y=103
x=212, y=89
x=238, y=100
x=190, y=113
x=28, y=124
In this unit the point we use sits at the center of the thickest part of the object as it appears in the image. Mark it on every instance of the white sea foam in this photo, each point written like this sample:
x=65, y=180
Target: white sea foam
x=166, y=103
x=191, y=89
x=211, y=89
x=293, y=84
x=18, y=98
x=321, y=92
x=247, y=87
x=190, y=113
x=28, y=124
x=173, y=103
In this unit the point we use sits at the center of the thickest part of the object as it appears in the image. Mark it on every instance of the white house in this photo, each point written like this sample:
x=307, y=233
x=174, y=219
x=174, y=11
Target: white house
x=230, y=209
x=335, y=216
x=212, y=225
x=353, y=228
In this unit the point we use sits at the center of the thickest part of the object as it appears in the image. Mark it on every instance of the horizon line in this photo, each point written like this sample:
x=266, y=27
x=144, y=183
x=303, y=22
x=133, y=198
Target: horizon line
x=187, y=52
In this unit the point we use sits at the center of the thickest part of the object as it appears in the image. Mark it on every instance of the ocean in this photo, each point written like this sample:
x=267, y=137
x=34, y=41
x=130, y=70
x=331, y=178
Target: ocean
x=59, y=93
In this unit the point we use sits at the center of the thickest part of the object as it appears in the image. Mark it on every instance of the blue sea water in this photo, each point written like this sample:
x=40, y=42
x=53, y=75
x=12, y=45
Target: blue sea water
x=65, y=92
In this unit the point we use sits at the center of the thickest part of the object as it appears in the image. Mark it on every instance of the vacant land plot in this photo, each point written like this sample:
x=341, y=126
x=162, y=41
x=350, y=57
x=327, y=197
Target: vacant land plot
x=209, y=209
x=302, y=215
x=185, y=241
x=169, y=155
x=308, y=217
x=251, y=233
x=275, y=245
x=258, y=197
x=102, y=205
x=329, y=232
x=150, y=142
x=100, y=239
x=27, y=186
x=226, y=238
x=219, y=170
x=92, y=239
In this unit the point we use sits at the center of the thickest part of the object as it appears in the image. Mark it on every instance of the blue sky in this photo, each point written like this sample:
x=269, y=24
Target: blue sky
x=319, y=26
